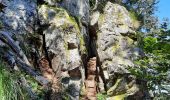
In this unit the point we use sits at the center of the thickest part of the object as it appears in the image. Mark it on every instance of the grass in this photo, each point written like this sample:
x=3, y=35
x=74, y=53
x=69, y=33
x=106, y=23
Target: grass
x=101, y=96
x=9, y=88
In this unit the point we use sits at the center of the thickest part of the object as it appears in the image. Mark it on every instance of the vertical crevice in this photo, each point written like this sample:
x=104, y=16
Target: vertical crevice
x=46, y=51
x=92, y=43
x=93, y=68
x=40, y=28
x=94, y=53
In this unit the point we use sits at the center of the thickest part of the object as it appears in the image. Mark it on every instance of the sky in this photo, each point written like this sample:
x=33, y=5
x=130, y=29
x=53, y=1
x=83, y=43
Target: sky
x=163, y=9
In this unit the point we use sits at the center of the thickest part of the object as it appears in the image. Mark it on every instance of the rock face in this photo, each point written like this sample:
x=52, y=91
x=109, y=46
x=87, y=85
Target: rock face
x=79, y=8
x=113, y=41
x=19, y=16
x=61, y=36
x=71, y=36
x=63, y=42
x=115, y=50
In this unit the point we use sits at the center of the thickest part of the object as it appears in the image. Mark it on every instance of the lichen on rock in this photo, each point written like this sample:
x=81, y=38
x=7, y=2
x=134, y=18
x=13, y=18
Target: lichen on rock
x=83, y=51
x=112, y=45
x=115, y=43
x=63, y=40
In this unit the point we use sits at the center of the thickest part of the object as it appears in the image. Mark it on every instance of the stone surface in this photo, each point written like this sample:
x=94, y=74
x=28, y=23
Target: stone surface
x=19, y=16
x=114, y=49
x=62, y=40
x=94, y=18
x=62, y=32
x=79, y=8
x=67, y=39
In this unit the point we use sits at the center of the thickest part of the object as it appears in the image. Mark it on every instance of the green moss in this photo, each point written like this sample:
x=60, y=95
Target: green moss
x=82, y=45
x=82, y=90
x=52, y=7
x=134, y=19
x=133, y=15
x=132, y=89
x=112, y=89
x=115, y=47
x=101, y=96
x=101, y=19
x=129, y=40
x=124, y=27
x=73, y=21
x=104, y=66
x=60, y=14
x=118, y=97
x=120, y=15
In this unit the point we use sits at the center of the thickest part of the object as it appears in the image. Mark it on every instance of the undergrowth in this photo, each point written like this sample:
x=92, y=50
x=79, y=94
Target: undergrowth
x=9, y=88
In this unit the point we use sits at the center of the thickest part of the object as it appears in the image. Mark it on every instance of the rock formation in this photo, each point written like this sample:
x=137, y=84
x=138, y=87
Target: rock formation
x=80, y=52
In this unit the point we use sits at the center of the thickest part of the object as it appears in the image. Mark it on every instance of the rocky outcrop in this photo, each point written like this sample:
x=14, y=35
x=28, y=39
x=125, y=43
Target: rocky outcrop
x=69, y=36
x=113, y=39
x=115, y=48
x=63, y=41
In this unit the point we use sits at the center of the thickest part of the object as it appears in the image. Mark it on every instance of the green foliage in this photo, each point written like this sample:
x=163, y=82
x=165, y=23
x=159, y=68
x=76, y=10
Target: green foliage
x=36, y=88
x=140, y=37
x=101, y=96
x=162, y=97
x=9, y=88
x=149, y=43
x=155, y=66
x=145, y=10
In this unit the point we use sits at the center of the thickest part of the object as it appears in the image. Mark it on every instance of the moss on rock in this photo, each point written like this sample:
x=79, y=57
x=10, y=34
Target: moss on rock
x=118, y=97
x=59, y=17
